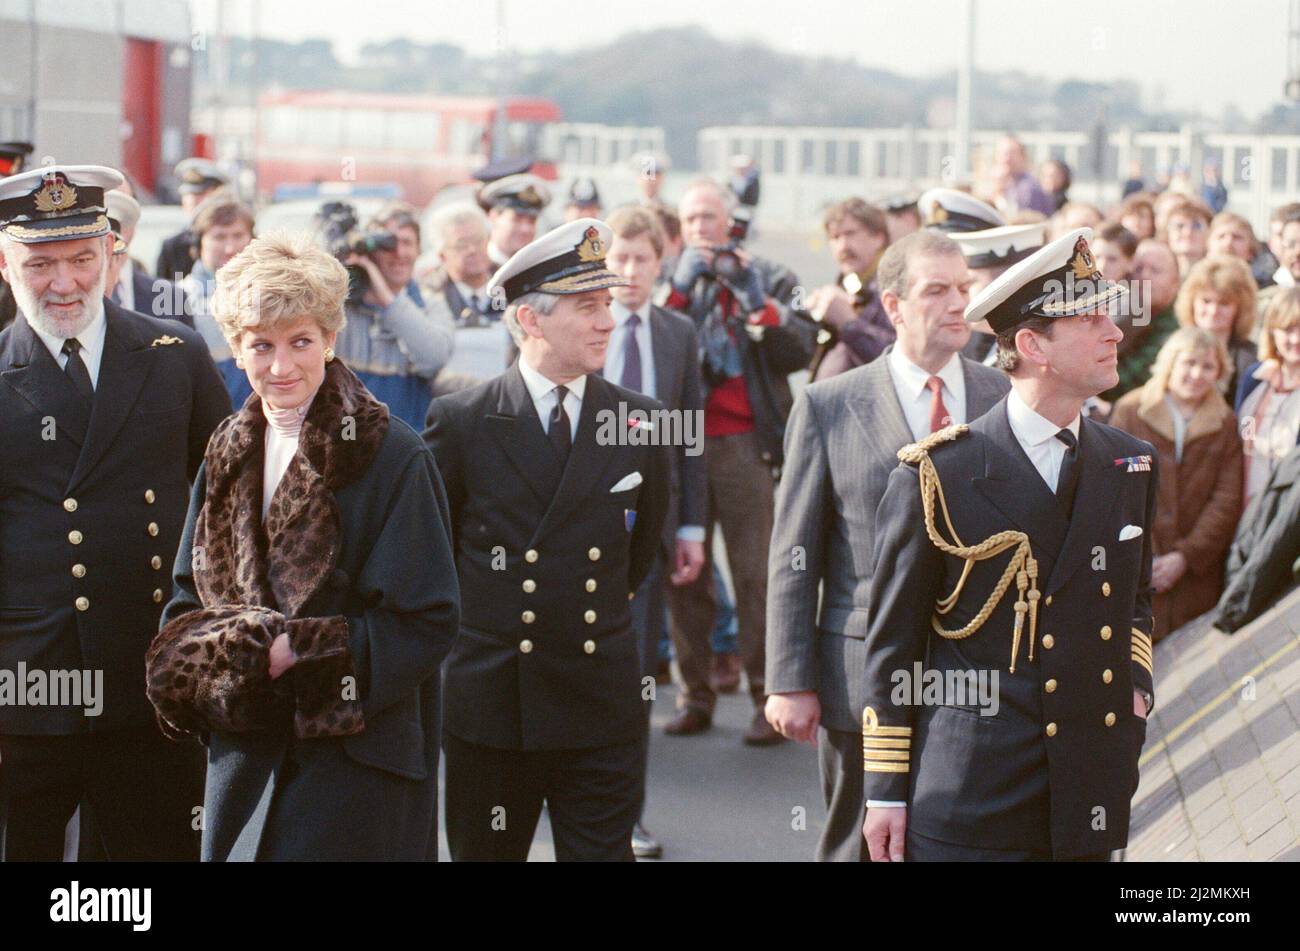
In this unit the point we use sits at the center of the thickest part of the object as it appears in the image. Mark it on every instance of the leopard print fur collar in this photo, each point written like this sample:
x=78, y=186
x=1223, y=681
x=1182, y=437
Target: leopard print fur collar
x=283, y=567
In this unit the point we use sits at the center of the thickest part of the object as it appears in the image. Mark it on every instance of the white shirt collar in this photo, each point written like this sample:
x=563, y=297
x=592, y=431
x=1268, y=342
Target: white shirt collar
x=1282, y=277
x=468, y=293
x=1028, y=426
x=539, y=386
x=621, y=313
x=91, y=340
x=912, y=379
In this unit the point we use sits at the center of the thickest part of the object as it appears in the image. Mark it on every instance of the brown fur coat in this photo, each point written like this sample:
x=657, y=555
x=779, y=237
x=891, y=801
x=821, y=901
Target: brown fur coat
x=208, y=669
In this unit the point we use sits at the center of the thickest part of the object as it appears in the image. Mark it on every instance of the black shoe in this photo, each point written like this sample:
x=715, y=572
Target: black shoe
x=644, y=845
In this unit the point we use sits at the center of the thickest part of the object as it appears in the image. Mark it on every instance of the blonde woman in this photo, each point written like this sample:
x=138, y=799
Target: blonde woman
x=1268, y=398
x=1181, y=412
x=1219, y=296
x=315, y=592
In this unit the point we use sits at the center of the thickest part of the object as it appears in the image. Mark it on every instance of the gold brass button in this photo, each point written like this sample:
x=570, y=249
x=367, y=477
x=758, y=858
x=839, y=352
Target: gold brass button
x=153, y=528
x=74, y=536
x=1048, y=641
x=526, y=646
x=1110, y=719
x=528, y=617
x=1105, y=632
x=1107, y=676
x=589, y=617
x=69, y=505
x=529, y=586
x=589, y=647
x=149, y=496
x=530, y=556
x=1048, y=601
x=1105, y=589
x=593, y=554
x=155, y=563
x=83, y=604
x=1050, y=686
x=1051, y=729
x=78, y=571
x=157, y=595
x=591, y=584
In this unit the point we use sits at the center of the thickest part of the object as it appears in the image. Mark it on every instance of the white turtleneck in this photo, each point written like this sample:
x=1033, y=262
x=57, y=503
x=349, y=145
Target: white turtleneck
x=283, y=426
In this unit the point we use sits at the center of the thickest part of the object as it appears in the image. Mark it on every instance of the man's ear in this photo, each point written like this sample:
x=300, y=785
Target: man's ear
x=530, y=321
x=1030, y=347
x=889, y=300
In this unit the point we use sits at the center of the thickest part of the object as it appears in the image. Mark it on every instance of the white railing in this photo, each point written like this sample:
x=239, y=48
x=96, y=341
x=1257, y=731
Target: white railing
x=588, y=148
x=804, y=168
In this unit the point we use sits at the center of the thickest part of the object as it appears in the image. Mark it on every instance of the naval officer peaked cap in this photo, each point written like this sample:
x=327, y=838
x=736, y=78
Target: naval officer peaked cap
x=949, y=211
x=56, y=203
x=1060, y=280
x=568, y=260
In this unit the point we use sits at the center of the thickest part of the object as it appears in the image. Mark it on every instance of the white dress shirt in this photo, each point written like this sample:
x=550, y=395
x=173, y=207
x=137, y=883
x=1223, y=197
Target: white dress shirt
x=618, y=344
x=126, y=285
x=544, y=396
x=283, y=429
x=915, y=397
x=1037, y=437
x=475, y=298
x=91, y=340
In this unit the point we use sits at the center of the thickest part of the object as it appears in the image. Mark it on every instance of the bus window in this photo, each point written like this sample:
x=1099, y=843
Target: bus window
x=524, y=138
x=363, y=130
x=466, y=137
x=323, y=127
x=280, y=125
x=416, y=131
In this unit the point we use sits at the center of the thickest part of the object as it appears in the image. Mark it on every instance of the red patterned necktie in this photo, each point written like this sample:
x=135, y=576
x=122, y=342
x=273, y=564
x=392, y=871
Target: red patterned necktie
x=939, y=417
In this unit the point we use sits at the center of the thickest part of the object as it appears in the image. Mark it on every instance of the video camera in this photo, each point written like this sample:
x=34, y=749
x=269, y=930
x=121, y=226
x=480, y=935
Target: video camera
x=342, y=235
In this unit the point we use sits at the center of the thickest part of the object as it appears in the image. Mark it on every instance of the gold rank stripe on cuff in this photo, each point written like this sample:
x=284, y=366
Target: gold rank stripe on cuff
x=1142, y=649
x=885, y=749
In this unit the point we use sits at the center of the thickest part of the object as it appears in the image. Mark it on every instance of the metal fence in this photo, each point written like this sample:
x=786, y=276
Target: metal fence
x=804, y=168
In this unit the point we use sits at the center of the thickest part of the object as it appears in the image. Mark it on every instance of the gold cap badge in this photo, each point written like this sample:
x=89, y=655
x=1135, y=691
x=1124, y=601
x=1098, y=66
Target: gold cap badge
x=590, y=248
x=55, y=195
x=1082, y=262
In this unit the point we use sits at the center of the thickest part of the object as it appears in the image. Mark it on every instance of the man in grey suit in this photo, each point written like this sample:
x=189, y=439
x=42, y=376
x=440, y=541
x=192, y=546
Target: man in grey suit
x=656, y=352
x=843, y=438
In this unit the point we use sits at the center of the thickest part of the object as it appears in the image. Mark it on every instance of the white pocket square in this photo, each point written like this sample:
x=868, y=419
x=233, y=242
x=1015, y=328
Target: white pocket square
x=629, y=481
x=1130, y=531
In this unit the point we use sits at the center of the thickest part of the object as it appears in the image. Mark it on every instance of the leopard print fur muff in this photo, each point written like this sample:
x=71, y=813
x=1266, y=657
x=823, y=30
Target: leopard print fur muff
x=209, y=671
x=254, y=584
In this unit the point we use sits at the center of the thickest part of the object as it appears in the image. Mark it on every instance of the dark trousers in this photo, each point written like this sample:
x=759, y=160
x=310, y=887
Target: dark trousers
x=919, y=848
x=494, y=799
x=741, y=494
x=648, y=623
x=839, y=760
x=137, y=789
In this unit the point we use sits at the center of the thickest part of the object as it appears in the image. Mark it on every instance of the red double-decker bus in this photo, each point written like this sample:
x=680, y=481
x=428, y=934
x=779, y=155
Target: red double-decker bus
x=420, y=143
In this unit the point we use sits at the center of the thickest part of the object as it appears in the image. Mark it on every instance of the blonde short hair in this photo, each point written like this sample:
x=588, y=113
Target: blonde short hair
x=276, y=280
x=1283, y=313
x=1188, y=340
x=1228, y=277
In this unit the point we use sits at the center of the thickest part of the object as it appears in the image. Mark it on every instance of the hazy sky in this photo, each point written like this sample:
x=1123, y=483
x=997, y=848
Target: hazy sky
x=1192, y=52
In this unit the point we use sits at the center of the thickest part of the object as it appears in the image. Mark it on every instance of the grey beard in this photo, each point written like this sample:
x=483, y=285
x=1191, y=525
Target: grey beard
x=35, y=314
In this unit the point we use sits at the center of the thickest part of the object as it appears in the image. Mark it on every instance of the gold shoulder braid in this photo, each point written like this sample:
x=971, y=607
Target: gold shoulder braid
x=1022, y=566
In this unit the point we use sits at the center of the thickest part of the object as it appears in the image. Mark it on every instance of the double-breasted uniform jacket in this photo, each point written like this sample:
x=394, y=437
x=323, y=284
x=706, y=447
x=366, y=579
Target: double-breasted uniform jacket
x=91, y=509
x=1055, y=767
x=354, y=564
x=548, y=559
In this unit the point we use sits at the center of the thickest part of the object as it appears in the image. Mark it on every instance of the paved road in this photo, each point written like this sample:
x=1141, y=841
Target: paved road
x=711, y=798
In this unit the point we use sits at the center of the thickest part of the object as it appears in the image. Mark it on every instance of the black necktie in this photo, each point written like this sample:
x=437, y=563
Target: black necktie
x=76, y=369
x=632, y=356
x=1067, y=483
x=557, y=427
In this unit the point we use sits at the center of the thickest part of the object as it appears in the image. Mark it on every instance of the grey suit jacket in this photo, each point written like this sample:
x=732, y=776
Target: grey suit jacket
x=678, y=386
x=841, y=444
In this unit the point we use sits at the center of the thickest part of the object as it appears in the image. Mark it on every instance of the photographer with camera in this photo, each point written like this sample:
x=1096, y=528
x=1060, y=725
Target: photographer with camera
x=854, y=328
x=751, y=341
x=392, y=340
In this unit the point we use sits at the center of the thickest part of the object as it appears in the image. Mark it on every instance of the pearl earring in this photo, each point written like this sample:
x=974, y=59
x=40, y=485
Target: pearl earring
x=329, y=354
